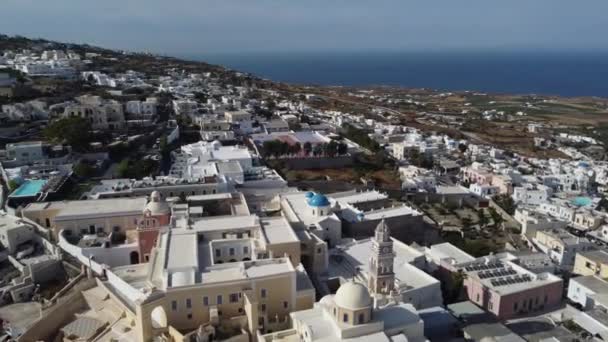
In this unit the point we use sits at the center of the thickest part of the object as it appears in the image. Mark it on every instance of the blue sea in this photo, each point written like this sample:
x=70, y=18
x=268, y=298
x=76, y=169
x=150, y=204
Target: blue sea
x=548, y=73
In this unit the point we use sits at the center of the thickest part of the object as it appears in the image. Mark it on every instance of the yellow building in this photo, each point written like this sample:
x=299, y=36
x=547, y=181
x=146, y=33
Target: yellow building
x=221, y=276
x=592, y=263
x=87, y=217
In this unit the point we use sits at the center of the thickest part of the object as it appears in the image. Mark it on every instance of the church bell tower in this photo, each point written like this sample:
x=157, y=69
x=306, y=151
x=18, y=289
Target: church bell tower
x=382, y=278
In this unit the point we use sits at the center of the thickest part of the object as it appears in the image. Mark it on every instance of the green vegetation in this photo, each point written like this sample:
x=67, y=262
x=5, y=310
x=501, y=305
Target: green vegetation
x=496, y=217
x=279, y=148
x=453, y=287
x=506, y=203
x=73, y=131
x=360, y=137
x=84, y=170
x=476, y=248
x=12, y=185
x=138, y=169
x=420, y=159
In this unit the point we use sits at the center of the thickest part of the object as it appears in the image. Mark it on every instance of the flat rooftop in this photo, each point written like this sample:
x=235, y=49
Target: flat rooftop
x=356, y=257
x=354, y=197
x=599, y=255
x=506, y=277
x=447, y=250
x=101, y=207
x=277, y=230
x=593, y=283
x=221, y=223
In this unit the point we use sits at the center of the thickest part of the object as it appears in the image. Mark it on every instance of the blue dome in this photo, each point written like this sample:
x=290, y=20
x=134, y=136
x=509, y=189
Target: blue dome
x=309, y=194
x=583, y=165
x=318, y=200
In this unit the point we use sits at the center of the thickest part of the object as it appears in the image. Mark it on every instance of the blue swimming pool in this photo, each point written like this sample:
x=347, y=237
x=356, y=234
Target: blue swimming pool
x=581, y=201
x=29, y=188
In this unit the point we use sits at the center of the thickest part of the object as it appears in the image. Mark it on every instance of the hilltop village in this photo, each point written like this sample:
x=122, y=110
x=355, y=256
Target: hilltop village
x=146, y=198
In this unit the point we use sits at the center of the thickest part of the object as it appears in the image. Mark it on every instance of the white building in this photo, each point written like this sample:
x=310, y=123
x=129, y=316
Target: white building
x=102, y=114
x=588, y=291
x=143, y=109
x=350, y=315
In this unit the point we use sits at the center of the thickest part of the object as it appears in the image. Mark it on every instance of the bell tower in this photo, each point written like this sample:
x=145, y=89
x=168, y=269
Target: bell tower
x=381, y=277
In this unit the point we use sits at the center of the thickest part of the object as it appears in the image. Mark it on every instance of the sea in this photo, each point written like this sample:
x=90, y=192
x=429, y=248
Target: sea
x=560, y=73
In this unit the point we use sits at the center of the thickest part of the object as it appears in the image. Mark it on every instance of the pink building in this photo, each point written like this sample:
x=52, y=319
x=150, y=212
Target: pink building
x=156, y=215
x=506, y=289
x=478, y=176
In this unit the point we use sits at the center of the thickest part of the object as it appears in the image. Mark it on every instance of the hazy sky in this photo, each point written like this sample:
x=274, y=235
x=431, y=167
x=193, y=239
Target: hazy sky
x=182, y=27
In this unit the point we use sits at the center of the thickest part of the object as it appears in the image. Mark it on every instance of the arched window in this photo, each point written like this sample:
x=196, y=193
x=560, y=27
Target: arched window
x=345, y=318
x=361, y=318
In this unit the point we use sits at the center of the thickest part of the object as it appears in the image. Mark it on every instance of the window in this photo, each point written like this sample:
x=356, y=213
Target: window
x=245, y=250
x=188, y=303
x=234, y=297
x=218, y=253
x=174, y=305
x=206, y=301
x=116, y=228
x=477, y=297
x=345, y=318
x=285, y=305
x=515, y=306
x=189, y=316
x=263, y=293
x=361, y=318
x=231, y=251
x=546, y=299
x=335, y=311
x=263, y=307
x=219, y=300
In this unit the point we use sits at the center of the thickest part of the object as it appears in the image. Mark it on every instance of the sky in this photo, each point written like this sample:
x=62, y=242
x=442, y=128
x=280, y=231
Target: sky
x=200, y=27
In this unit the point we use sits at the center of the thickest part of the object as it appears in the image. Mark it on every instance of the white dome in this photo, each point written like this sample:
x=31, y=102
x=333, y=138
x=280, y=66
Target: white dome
x=157, y=205
x=353, y=296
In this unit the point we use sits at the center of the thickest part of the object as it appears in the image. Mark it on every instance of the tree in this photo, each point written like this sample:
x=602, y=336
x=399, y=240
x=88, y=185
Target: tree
x=496, y=217
x=506, y=203
x=162, y=145
x=462, y=148
x=307, y=148
x=317, y=150
x=361, y=137
x=123, y=168
x=12, y=184
x=342, y=149
x=137, y=169
x=83, y=170
x=483, y=220
x=331, y=148
x=74, y=131
x=295, y=148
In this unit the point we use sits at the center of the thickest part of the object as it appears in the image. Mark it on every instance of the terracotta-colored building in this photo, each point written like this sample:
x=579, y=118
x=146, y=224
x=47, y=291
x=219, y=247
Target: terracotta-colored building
x=156, y=216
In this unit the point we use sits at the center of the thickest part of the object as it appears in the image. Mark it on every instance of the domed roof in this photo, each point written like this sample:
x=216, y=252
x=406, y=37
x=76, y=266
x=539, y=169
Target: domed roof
x=318, y=200
x=353, y=296
x=157, y=205
x=309, y=194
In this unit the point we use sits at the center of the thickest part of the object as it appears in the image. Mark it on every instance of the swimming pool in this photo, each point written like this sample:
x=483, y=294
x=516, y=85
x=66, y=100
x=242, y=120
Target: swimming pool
x=29, y=188
x=581, y=201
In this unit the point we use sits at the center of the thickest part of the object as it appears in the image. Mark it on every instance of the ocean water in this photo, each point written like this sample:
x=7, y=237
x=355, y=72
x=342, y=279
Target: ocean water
x=548, y=73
